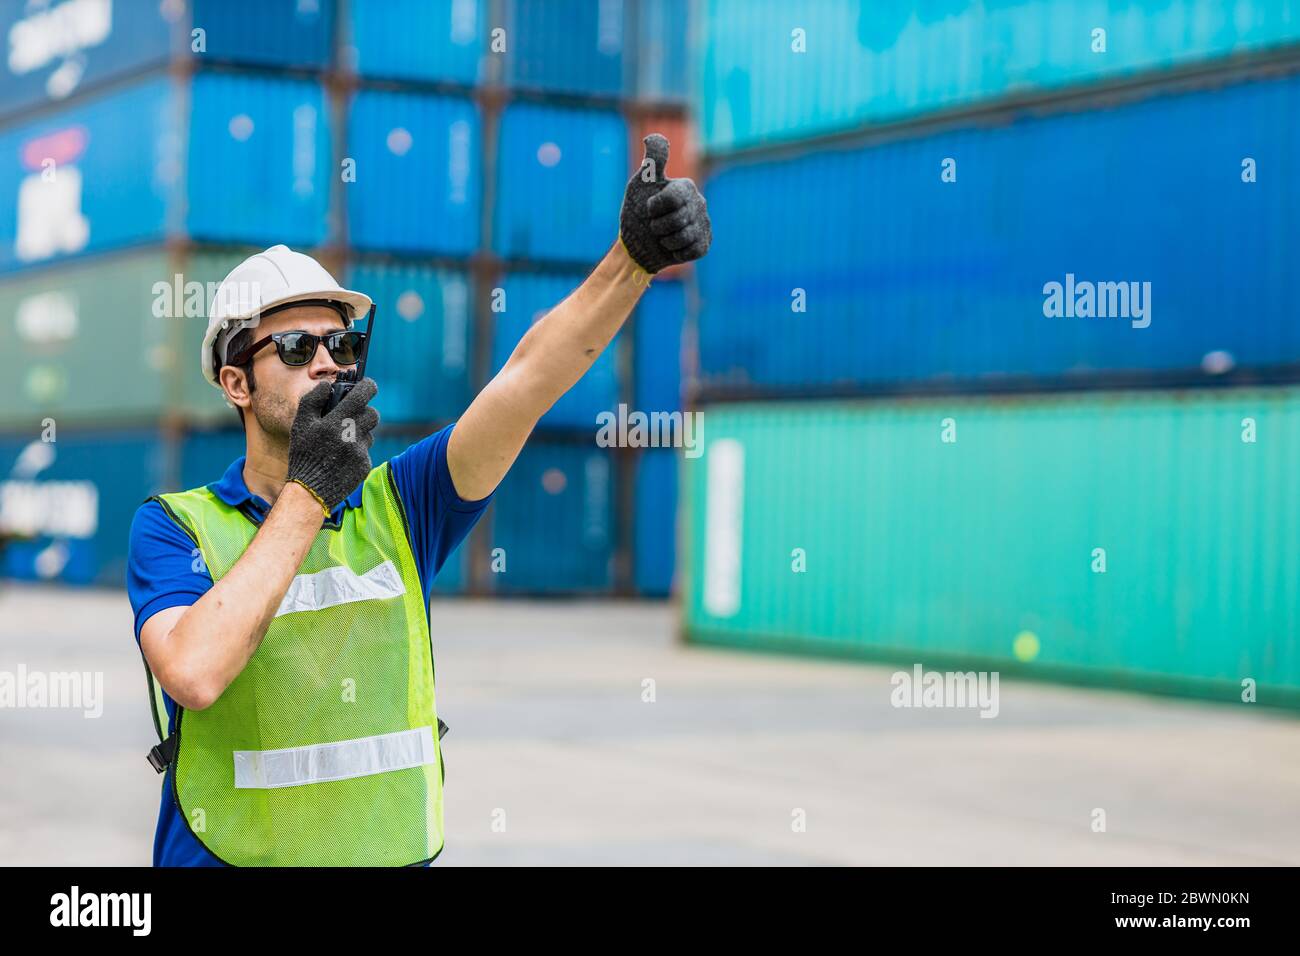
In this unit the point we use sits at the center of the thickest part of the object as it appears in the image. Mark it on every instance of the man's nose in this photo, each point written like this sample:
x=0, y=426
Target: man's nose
x=322, y=363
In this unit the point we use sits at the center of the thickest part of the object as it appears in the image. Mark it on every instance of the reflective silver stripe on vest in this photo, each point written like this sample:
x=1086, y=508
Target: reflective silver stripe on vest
x=341, y=585
x=342, y=760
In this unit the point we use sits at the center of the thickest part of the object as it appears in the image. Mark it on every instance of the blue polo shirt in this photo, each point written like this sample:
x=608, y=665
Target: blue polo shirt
x=161, y=573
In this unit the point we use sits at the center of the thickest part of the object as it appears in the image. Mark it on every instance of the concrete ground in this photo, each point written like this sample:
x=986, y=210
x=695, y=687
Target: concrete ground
x=550, y=734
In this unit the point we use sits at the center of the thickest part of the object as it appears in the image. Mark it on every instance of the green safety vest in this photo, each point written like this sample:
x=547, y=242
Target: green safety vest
x=324, y=750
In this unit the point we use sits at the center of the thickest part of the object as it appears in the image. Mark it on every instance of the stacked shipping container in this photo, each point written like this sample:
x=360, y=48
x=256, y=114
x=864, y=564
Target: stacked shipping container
x=1009, y=217
x=462, y=161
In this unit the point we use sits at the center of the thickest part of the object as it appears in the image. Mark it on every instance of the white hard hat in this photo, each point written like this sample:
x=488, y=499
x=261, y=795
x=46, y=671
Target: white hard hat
x=278, y=276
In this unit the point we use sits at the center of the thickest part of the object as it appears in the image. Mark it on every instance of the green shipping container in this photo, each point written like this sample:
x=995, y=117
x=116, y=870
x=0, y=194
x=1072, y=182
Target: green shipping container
x=110, y=340
x=83, y=343
x=770, y=71
x=1142, y=540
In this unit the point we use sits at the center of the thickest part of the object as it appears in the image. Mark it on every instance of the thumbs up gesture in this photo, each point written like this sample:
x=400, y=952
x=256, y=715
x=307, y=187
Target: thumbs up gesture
x=664, y=221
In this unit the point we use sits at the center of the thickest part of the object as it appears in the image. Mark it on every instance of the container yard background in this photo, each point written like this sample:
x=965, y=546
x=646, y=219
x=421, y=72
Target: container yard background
x=905, y=461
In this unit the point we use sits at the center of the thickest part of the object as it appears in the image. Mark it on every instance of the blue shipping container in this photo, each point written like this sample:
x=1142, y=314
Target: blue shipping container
x=552, y=520
x=560, y=180
x=259, y=161
x=662, y=50
x=72, y=501
x=781, y=70
x=110, y=172
x=205, y=456
x=569, y=46
x=525, y=297
x=271, y=32
x=657, y=349
x=97, y=176
x=65, y=48
x=422, y=348
x=436, y=40
x=417, y=173
x=885, y=273
x=655, y=534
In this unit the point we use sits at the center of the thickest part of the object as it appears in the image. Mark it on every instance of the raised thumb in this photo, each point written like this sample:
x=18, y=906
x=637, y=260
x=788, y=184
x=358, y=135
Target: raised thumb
x=656, y=158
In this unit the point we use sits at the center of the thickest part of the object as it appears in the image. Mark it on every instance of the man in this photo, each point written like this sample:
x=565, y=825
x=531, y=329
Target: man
x=282, y=610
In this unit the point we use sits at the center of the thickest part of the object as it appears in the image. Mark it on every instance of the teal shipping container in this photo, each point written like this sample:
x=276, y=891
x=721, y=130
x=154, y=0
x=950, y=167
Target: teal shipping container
x=772, y=71
x=1140, y=540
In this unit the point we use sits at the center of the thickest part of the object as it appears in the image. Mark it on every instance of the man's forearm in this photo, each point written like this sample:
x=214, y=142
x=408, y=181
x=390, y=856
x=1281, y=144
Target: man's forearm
x=562, y=346
x=219, y=633
x=550, y=358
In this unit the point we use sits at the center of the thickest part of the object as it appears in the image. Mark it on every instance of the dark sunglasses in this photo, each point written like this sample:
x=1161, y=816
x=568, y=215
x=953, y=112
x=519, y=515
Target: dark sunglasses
x=299, y=348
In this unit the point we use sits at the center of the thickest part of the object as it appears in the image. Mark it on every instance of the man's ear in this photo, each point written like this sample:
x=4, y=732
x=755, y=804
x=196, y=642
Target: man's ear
x=234, y=382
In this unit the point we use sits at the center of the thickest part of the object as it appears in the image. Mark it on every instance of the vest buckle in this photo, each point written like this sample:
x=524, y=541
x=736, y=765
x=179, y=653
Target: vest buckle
x=161, y=755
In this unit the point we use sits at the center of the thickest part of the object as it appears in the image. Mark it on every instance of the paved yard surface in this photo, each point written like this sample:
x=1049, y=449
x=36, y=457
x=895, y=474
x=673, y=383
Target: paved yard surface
x=550, y=734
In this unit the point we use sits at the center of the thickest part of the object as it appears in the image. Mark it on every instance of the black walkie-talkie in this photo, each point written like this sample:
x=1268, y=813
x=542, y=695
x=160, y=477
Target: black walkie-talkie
x=348, y=378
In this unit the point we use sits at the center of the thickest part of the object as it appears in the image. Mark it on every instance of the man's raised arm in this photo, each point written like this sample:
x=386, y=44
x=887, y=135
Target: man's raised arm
x=663, y=221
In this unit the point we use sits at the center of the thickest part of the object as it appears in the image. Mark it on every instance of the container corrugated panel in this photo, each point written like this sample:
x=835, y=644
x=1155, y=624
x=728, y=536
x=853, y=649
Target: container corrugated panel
x=527, y=296
x=72, y=500
x=657, y=347
x=977, y=529
x=63, y=49
x=879, y=62
x=663, y=63
x=437, y=40
x=259, y=160
x=552, y=519
x=918, y=280
x=560, y=180
x=568, y=46
x=422, y=348
x=267, y=32
x=98, y=175
x=89, y=341
x=654, y=559
x=417, y=173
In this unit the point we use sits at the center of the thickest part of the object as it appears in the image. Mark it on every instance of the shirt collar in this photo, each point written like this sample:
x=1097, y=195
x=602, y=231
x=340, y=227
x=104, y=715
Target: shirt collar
x=233, y=490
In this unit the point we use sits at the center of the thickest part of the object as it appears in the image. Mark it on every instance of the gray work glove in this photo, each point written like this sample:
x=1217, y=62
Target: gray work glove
x=329, y=453
x=664, y=221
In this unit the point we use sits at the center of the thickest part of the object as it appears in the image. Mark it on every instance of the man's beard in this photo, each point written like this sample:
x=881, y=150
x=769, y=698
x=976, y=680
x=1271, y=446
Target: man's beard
x=274, y=415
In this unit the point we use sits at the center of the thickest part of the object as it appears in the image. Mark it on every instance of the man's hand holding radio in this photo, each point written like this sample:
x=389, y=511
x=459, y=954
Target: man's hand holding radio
x=329, y=451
